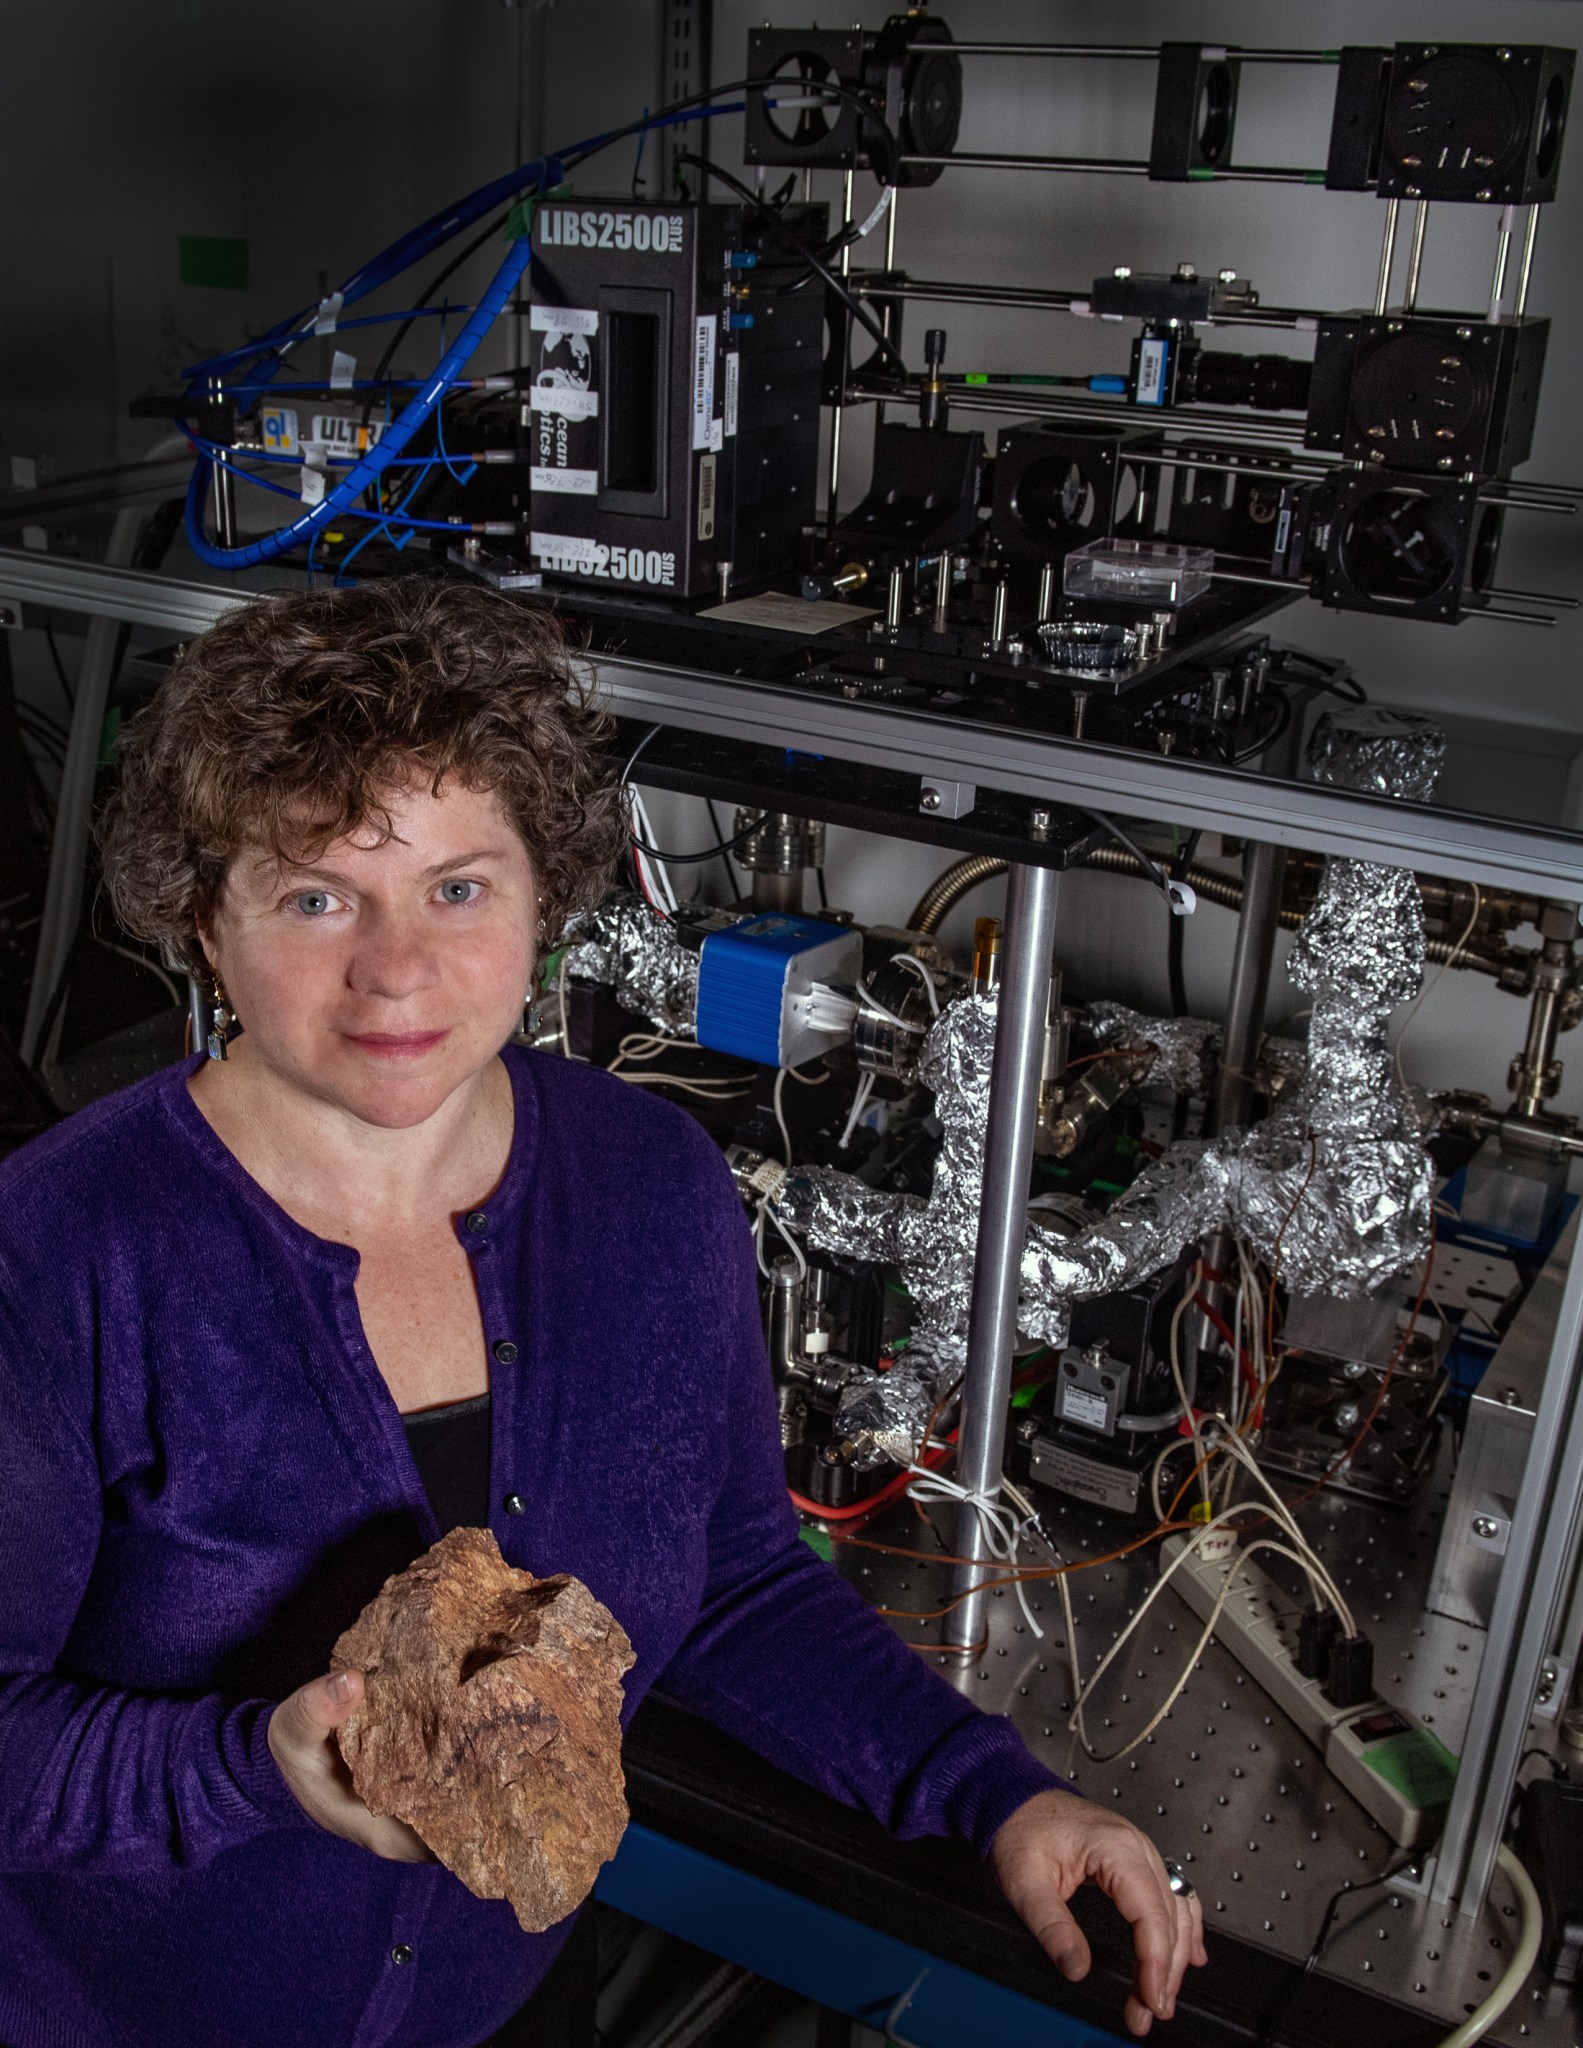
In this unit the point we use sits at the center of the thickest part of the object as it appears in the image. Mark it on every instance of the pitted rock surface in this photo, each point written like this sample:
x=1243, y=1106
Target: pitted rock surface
x=490, y=1722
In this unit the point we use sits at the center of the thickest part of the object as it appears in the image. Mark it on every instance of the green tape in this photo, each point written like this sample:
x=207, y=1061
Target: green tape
x=818, y=1542
x=519, y=221
x=1415, y=1763
x=216, y=260
x=109, y=737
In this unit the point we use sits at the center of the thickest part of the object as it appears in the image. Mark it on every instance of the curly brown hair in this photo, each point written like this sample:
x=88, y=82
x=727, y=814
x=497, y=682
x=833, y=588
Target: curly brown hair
x=288, y=724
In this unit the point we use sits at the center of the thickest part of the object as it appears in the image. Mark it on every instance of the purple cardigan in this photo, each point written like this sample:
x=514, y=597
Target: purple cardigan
x=203, y=1477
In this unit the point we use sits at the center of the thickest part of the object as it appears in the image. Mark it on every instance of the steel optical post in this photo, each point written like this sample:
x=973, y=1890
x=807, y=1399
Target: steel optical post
x=1002, y=1223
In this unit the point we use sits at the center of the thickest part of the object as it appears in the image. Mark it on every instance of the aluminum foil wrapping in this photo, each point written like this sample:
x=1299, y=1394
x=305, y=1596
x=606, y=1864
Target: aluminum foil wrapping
x=1370, y=747
x=637, y=955
x=1177, y=1199
x=931, y=1242
x=1185, y=1048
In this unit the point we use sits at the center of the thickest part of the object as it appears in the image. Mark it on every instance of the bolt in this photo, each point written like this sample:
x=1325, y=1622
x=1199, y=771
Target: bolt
x=1122, y=270
x=1027, y=1429
x=1226, y=276
x=1464, y=333
x=1411, y=163
x=1347, y=1417
x=1413, y=192
x=1187, y=272
x=1393, y=327
x=1486, y=1526
x=1484, y=193
x=1418, y=85
x=1484, y=162
x=1446, y=462
x=1450, y=362
x=1038, y=824
x=930, y=800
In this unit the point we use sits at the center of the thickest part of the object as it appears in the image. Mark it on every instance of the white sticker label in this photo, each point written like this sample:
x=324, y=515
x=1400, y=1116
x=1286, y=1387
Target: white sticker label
x=343, y=435
x=733, y=381
x=566, y=227
x=328, y=314
x=716, y=437
x=1079, y=1405
x=572, y=554
x=277, y=430
x=576, y=483
x=565, y=401
x=312, y=486
x=343, y=371
x=706, y=498
x=703, y=377
x=562, y=320
x=1153, y=354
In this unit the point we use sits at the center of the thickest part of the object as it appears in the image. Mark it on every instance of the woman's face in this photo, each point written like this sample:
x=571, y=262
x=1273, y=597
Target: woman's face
x=384, y=975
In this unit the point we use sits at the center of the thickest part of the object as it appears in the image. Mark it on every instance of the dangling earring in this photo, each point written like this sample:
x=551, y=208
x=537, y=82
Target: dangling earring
x=221, y=1018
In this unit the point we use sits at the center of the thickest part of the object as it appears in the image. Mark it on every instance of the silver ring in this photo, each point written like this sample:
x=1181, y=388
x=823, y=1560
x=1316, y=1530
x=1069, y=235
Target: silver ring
x=1176, y=1878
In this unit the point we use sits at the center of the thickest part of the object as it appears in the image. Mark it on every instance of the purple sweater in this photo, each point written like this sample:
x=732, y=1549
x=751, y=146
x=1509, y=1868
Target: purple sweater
x=203, y=1477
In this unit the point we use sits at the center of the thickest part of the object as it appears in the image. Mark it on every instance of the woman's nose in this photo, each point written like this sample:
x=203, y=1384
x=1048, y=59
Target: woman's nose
x=393, y=958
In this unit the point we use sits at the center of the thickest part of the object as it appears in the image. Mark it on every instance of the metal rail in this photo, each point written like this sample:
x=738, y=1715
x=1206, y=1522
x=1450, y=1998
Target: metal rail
x=1542, y=860
x=1008, y=1160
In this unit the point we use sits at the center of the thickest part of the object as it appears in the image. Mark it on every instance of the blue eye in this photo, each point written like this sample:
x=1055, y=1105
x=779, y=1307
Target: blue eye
x=313, y=902
x=457, y=891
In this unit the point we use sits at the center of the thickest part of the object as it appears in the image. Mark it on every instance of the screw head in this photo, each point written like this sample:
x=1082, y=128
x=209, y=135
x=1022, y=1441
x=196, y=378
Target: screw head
x=1484, y=193
x=1122, y=270
x=930, y=800
x=1486, y=1526
x=1226, y=276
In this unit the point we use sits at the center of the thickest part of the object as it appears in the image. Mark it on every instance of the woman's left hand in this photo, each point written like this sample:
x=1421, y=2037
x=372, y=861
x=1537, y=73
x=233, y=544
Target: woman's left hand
x=1058, y=1841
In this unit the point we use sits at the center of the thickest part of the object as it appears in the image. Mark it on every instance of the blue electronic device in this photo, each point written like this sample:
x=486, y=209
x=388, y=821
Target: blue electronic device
x=755, y=987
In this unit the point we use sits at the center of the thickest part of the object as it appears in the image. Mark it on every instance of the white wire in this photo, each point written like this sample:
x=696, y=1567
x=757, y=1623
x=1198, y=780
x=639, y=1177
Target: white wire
x=655, y=869
x=879, y=1008
x=1435, y=980
x=923, y=970
x=865, y=1088
x=763, y=1213
x=1515, y=1975
x=1194, y=1542
x=780, y=1117
x=1003, y=1533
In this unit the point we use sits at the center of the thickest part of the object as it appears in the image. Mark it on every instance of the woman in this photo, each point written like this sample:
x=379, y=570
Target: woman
x=237, y=1300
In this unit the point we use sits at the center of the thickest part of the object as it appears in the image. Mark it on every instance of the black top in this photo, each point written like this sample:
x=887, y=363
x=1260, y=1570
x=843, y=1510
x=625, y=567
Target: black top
x=450, y=1447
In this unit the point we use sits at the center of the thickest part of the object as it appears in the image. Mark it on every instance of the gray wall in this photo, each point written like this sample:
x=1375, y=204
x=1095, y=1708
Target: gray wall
x=319, y=131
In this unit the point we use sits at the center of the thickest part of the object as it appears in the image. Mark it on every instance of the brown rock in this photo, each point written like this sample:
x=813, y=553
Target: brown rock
x=490, y=1722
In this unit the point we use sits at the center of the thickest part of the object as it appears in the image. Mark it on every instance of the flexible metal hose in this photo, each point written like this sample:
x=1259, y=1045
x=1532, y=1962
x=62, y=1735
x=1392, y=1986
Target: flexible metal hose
x=948, y=889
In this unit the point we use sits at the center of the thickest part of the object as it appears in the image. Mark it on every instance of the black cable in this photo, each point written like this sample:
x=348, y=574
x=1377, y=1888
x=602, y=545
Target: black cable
x=66, y=689
x=1282, y=2006
x=683, y=860
x=1175, y=961
x=824, y=896
x=719, y=831
x=1278, y=725
x=1150, y=868
x=795, y=242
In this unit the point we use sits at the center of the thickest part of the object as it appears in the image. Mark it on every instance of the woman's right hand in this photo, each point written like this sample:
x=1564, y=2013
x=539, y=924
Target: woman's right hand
x=302, y=1742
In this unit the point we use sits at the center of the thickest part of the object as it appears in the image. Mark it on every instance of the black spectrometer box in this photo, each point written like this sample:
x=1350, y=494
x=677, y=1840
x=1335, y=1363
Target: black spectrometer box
x=675, y=392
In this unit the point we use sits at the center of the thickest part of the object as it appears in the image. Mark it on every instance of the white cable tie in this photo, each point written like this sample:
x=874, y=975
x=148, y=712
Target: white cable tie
x=1184, y=898
x=324, y=320
x=1002, y=1530
x=876, y=216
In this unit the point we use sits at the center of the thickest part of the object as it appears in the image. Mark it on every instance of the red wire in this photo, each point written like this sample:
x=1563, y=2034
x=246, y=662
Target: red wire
x=1232, y=1345
x=893, y=1489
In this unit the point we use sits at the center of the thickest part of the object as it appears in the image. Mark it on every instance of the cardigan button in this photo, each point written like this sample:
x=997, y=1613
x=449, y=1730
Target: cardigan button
x=401, y=1953
x=514, y=1504
x=477, y=1222
x=505, y=1352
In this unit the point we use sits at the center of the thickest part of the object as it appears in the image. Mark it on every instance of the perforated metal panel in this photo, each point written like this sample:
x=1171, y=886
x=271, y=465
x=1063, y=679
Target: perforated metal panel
x=1227, y=1784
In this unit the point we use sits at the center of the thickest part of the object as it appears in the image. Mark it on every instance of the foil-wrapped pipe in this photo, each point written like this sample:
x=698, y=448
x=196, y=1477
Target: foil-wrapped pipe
x=1185, y=1048
x=637, y=955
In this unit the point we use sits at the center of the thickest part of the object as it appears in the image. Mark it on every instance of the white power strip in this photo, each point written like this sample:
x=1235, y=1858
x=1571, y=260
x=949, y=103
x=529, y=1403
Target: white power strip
x=1397, y=1769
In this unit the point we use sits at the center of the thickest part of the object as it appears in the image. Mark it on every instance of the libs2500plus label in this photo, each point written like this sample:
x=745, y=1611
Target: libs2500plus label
x=571, y=554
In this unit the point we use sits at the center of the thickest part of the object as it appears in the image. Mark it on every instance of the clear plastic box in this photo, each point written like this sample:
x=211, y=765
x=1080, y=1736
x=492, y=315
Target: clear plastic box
x=1153, y=572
